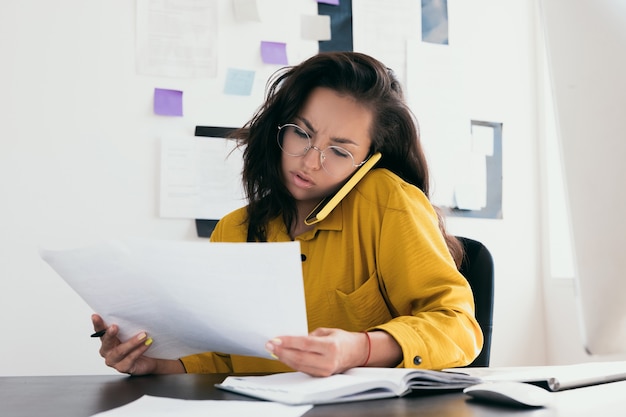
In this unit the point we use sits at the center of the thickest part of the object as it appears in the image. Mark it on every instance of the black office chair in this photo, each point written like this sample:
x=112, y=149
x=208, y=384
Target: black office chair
x=477, y=268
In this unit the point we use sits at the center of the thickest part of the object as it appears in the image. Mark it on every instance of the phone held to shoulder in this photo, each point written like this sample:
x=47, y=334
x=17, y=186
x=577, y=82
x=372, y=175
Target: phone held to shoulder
x=323, y=209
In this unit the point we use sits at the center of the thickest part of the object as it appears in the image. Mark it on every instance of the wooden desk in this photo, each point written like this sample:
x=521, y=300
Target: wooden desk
x=83, y=396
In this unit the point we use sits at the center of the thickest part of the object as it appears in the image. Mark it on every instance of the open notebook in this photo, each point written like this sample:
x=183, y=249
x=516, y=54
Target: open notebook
x=357, y=384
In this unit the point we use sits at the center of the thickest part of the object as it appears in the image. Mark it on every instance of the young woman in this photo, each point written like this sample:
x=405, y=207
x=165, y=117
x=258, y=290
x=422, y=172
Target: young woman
x=380, y=272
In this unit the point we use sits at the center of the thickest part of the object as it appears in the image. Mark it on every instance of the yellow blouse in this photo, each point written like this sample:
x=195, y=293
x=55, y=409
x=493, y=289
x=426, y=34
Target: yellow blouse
x=378, y=261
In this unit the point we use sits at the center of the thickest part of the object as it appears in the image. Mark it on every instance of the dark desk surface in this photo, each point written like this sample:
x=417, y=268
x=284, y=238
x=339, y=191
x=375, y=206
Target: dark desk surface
x=83, y=396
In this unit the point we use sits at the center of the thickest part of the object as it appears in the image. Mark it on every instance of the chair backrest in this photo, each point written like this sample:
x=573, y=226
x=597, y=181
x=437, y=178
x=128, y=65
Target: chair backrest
x=477, y=268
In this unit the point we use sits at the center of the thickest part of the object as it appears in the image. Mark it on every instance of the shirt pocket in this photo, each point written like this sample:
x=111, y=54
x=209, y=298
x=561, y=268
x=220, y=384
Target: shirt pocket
x=364, y=307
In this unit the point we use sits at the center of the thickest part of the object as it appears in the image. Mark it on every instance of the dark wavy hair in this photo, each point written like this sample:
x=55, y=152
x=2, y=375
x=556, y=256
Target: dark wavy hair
x=394, y=132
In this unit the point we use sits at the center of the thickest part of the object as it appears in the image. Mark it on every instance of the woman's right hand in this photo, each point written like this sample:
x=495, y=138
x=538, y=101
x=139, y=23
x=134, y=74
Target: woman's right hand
x=128, y=357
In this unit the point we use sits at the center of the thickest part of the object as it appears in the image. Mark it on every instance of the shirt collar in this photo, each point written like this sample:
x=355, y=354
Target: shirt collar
x=334, y=222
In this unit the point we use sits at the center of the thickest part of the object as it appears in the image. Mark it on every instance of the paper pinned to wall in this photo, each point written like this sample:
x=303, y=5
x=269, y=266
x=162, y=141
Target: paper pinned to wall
x=382, y=29
x=478, y=181
x=200, y=178
x=470, y=187
x=246, y=10
x=315, y=27
x=482, y=139
x=177, y=38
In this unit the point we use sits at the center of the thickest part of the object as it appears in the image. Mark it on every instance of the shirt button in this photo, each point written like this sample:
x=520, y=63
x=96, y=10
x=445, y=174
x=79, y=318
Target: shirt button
x=303, y=257
x=417, y=360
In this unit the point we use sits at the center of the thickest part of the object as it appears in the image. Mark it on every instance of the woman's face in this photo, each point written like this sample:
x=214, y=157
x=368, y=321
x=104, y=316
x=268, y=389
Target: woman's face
x=330, y=120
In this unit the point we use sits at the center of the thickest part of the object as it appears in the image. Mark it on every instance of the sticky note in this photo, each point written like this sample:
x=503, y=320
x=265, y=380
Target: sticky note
x=246, y=10
x=274, y=52
x=239, y=82
x=168, y=102
x=315, y=27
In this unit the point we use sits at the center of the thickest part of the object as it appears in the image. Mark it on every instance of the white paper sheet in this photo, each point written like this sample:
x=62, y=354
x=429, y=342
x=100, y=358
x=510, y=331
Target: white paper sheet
x=200, y=178
x=482, y=139
x=470, y=186
x=150, y=406
x=562, y=377
x=177, y=38
x=315, y=27
x=246, y=10
x=191, y=297
x=382, y=29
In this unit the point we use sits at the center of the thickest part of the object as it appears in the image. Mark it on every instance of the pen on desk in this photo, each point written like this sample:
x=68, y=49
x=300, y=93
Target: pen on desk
x=99, y=333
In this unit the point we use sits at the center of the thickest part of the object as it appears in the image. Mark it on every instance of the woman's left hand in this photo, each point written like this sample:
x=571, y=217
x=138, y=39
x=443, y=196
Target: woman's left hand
x=323, y=352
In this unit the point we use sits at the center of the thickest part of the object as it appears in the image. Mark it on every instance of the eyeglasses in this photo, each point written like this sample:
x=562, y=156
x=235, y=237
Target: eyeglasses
x=295, y=141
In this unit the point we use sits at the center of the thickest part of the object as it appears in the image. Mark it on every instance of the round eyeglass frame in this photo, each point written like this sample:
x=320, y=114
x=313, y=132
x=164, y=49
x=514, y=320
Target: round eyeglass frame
x=306, y=149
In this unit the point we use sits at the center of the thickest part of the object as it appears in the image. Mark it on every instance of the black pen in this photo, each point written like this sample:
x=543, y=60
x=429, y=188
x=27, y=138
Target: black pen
x=99, y=333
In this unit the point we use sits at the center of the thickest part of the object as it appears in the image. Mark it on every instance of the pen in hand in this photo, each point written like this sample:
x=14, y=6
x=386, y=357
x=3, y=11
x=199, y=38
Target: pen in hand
x=99, y=333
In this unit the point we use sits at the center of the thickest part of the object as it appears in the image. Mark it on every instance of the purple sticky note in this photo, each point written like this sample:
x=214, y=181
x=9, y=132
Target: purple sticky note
x=168, y=102
x=331, y=2
x=274, y=52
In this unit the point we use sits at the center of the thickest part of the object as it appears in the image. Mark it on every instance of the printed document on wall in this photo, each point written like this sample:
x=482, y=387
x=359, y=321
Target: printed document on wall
x=177, y=38
x=200, y=178
x=382, y=29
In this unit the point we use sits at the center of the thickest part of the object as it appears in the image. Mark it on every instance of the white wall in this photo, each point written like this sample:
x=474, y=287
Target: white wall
x=79, y=161
x=501, y=41
x=582, y=94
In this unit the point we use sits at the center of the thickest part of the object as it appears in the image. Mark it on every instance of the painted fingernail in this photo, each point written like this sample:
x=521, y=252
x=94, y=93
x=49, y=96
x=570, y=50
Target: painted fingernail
x=141, y=336
x=148, y=341
x=270, y=349
x=277, y=341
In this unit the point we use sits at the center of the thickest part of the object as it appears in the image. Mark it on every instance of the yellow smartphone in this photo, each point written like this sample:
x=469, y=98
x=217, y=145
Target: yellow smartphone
x=323, y=209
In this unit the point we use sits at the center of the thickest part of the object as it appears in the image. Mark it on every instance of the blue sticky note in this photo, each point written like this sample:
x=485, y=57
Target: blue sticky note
x=239, y=82
x=274, y=52
x=168, y=102
x=331, y=2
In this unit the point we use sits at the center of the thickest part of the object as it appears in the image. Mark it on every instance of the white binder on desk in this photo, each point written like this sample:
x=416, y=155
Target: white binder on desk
x=554, y=377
